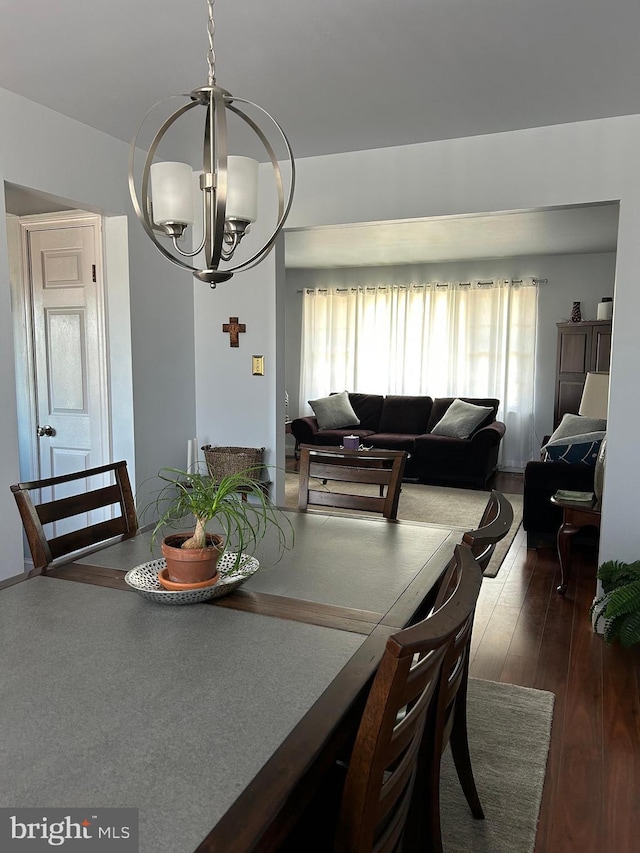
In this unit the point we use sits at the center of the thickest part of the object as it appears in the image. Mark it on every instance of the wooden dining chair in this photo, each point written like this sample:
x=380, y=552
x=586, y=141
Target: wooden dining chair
x=44, y=504
x=495, y=523
x=333, y=465
x=392, y=792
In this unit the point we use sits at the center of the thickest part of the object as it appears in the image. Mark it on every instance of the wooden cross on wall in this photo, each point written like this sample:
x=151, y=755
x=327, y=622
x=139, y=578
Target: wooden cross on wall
x=233, y=328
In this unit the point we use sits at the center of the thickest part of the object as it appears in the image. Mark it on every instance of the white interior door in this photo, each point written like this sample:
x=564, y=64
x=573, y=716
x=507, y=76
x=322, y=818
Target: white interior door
x=69, y=351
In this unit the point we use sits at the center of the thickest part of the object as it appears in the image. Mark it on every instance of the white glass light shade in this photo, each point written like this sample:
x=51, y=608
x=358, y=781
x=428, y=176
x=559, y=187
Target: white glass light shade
x=242, y=189
x=595, y=396
x=172, y=193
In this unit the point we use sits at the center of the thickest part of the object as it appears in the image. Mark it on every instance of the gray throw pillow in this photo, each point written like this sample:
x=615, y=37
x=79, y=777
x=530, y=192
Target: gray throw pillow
x=334, y=412
x=571, y=425
x=460, y=419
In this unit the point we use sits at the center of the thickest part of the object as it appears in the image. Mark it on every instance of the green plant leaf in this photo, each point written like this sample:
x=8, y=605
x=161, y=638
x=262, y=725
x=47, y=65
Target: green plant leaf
x=237, y=504
x=628, y=629
x=611, y=627
x=614, y=573
x=625, y=599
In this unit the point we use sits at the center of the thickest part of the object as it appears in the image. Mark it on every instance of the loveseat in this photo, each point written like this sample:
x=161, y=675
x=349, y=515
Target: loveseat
x=396, y=422
x=568, y=460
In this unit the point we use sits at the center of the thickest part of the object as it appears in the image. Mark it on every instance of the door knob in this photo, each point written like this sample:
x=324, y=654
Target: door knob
x=45, y=430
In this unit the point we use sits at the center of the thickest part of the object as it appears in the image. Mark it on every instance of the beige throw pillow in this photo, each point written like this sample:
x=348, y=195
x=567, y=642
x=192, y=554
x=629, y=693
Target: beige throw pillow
x=461, y=419
x=334, y=412
x=571, y=425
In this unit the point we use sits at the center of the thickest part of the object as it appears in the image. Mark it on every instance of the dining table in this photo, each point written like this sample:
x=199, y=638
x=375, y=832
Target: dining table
x=217, y=721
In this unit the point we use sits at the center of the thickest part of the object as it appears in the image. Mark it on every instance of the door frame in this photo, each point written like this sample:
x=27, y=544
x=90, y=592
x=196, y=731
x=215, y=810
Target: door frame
x=24, y=309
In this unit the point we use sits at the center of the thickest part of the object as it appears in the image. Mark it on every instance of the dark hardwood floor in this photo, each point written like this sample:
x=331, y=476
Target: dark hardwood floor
x=525, y=633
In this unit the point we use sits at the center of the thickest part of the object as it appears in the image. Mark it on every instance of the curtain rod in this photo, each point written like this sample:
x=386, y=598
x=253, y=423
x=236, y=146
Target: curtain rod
x=487, y=283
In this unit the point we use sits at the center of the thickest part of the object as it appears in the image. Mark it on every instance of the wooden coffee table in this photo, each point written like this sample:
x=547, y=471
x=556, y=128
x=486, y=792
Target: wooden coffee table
x=575, y=516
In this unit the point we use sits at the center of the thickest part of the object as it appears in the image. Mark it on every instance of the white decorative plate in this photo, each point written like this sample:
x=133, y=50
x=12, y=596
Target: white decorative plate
x=144, y=580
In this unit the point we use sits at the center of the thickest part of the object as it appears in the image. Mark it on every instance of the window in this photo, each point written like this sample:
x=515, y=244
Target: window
x=453, y=339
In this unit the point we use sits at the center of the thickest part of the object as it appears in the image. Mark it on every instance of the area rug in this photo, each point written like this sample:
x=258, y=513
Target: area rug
x=437, y=505
x=509, y=731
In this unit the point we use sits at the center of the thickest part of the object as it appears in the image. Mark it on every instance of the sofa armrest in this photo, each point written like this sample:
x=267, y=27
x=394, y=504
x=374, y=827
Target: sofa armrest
x=489, y=436
x=304, y=430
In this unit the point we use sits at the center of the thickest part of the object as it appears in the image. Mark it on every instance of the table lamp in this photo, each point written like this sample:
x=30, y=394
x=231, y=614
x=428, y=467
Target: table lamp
x=595, y=396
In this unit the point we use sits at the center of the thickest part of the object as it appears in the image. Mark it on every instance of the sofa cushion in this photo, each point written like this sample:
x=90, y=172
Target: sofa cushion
x=368, y=408
x=461, y=419
x=391, y=441
x=405, y=414
x=441, y=404
x=571, y=425
x=334, y=411
x=576, y=449
x=333, y=437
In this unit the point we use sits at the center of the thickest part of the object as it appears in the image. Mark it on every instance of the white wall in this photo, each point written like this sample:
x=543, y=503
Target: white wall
x=542, y=167
x=45, y=151
x=585, y=277
x=234, y=407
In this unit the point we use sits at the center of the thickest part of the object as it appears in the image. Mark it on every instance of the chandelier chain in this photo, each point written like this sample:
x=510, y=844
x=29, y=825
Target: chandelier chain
x=211, y=56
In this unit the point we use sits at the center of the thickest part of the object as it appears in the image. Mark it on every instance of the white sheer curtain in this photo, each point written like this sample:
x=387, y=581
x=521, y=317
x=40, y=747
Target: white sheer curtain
x=444, y=340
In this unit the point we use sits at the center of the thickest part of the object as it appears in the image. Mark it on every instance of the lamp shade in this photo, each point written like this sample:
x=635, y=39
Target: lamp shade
x=172, y=193
x=595, y=396
x=242, y=189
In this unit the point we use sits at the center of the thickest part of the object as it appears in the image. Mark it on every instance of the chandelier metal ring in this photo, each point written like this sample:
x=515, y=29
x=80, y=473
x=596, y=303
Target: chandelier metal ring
x=228, y=182
x=216, y=102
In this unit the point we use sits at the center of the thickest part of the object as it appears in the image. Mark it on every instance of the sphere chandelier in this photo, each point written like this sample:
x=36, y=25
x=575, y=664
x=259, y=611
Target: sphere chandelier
x=228, y=183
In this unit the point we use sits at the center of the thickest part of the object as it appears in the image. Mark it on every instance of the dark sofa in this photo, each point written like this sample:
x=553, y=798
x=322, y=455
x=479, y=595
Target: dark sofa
x=403, y=422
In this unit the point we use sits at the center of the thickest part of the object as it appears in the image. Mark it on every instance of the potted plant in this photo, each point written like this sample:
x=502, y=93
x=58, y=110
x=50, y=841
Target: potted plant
x=619, y=606
x=236, y=504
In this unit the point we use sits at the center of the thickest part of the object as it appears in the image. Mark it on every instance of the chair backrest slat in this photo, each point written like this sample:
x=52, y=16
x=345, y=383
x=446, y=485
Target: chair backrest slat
x=76, y=504
x=84, y=537
x=383, y=468
x=368, y=503
x=44, y=549
x=350, y=473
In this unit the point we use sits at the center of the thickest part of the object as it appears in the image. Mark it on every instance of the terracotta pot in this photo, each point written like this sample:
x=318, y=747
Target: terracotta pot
x=174, y=586
x=191, y=565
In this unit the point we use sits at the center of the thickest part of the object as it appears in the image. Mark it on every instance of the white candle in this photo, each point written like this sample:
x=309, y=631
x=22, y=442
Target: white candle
x=192, y=454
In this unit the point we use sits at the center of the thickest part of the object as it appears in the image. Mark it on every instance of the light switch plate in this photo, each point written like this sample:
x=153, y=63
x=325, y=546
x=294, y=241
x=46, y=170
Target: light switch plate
x=257, y=365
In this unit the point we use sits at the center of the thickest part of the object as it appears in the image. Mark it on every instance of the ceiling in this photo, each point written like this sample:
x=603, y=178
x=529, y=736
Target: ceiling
x=339, y=75
x=559, y=231
x=346, y=76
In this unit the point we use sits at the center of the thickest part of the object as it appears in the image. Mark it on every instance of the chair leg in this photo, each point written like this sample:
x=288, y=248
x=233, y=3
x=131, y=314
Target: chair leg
x=459, y=743
x=422, y=829
x=432, y=834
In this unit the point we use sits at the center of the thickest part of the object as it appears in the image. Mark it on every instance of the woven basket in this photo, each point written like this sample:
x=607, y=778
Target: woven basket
x=226, y=461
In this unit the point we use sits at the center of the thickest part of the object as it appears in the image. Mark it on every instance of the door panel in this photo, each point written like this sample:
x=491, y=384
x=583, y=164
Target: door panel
x=601, y=349
x=66, y=353
x=69, y=355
